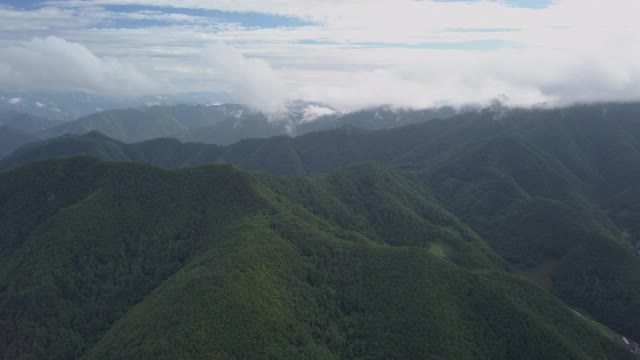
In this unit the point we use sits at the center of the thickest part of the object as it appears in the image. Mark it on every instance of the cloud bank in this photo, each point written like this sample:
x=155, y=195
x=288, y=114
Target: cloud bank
x=54, y=63
x=516, y=77
x=250, y=81
x=348, y=54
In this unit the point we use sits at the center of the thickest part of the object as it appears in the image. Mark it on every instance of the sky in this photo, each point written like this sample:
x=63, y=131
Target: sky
x=346, y=53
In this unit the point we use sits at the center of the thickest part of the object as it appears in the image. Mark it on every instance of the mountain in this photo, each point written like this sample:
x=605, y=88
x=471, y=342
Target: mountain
x=72, y=105
x=233, y=129
x=226, y=124
x=128, y=125
x=552, y=191
x=199, y=113
x=164, y=152
x=11, y=139
x=57, y=105
x=384, y=117
x=131, y=125
x=17, y=129
x=199, y=116
x=123, y=260
x=26, y=123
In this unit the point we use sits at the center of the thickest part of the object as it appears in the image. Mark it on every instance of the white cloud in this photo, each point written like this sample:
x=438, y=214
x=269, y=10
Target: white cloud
x=313, y=112
x=54, y=63
x=574, y=50
x=46, y=18
x=251, y=81
x=522, y=76
x=14, y=101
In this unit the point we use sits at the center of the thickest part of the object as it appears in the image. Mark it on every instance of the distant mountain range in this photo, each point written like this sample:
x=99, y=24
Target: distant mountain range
x=221, y=124
x=227, y=123
x=17, y=129
x=26, y=123
x=194, y=117
x=11, y=139
x=72, y=105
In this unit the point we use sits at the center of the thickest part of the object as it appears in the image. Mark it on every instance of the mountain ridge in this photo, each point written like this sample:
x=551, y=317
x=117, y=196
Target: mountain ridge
x=504, y=176
x=260, y=266
x=225, y=124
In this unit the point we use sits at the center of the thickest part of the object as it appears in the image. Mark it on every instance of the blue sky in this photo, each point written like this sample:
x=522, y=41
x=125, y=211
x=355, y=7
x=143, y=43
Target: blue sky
x=349, y=53
x=21, y=3
x=245, y=18
x=518, y=3
x=248, y=19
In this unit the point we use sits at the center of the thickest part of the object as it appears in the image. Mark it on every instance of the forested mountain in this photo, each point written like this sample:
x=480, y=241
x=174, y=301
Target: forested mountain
x=484, y=198
x=102, y=260
x=233, y=129
x=228, y=123
x=128, y=125
x=131, y=125
x=375, y=118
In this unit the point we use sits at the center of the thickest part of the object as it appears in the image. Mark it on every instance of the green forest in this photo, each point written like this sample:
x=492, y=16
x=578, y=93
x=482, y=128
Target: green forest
x=490, y=235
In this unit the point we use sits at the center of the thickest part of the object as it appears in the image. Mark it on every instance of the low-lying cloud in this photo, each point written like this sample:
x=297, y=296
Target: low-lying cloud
x=250, y=81
x=518, y=77
x=56, y=64
x=347, y=54
x=416, y=78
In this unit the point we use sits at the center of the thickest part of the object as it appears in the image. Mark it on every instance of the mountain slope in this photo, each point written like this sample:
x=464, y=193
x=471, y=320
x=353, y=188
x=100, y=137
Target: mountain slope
x=228, y=123
x=129, y=125
x=553, y=192
x=92, y=143
x=182, y=121
x=26, y=123
x=232, y=129
x=130, y=261
x=376, y=118
x=11, y=139
x=72, y=105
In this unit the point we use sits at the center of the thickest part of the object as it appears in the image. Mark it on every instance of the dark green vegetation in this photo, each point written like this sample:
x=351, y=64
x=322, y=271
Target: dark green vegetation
x=103, y=260
x=417, y=251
